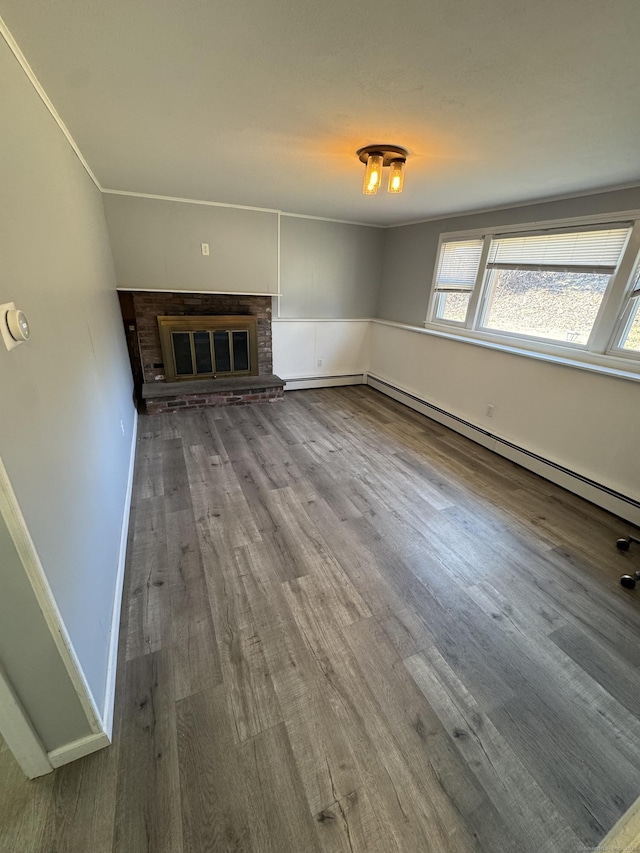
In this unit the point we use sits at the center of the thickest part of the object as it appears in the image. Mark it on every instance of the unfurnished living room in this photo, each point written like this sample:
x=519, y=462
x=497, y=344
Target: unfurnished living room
x=319, y=426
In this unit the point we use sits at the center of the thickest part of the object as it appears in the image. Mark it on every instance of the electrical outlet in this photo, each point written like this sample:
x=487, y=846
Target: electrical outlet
x=205, y=248
x=320, y=362
x=490, y=410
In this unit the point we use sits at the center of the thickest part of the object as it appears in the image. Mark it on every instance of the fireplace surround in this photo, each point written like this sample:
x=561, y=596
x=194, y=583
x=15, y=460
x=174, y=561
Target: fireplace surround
x=160, y=388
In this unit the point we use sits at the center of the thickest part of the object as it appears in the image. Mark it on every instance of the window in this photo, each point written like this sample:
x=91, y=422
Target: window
x=456, y=277
x=553, y=288
x=629, y=340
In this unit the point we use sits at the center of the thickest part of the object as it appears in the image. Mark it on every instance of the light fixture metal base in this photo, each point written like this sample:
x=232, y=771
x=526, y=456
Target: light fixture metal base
x=389, y=153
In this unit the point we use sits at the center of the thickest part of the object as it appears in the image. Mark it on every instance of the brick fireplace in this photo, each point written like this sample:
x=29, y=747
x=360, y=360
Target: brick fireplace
x=140, y=311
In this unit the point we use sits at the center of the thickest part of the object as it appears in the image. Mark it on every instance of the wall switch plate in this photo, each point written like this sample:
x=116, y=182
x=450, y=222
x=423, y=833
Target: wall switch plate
x=205, y=248
x=490, y=409
x=9, y=341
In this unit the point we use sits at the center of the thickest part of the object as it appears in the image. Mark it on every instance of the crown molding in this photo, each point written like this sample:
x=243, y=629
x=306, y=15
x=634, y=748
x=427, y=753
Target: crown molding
x=28, y=70
x=526, y=203
x=330, y=219
x=155, y=197
x=134, y=194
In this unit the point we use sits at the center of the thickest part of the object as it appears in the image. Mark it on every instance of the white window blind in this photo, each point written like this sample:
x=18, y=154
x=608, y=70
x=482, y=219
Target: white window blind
x=458, y=265
x=588, y=251
x=635, y=290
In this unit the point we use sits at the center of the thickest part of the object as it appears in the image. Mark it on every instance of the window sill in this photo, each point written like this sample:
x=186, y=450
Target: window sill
x=606, y=365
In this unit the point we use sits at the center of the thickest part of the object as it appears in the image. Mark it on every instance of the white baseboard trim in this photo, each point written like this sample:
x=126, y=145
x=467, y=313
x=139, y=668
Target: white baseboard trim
x=112, y=665
x=301, y=382
x=78, y=749
x=597, y=493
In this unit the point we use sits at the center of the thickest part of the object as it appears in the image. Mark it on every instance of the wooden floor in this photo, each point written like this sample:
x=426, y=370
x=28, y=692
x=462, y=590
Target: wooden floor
x=348, y=629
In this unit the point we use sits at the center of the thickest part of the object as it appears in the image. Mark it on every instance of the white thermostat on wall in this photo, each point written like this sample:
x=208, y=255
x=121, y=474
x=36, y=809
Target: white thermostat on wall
x=14, y=326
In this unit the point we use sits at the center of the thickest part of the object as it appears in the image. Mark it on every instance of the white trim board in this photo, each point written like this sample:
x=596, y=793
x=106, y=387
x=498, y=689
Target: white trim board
x=18, y=733
x=596, y=493
x=112, y=664
x=302, y=382
x=331, y=219
x=321, y=320
x=195, y=292
x=155, y=197
x=78, y=749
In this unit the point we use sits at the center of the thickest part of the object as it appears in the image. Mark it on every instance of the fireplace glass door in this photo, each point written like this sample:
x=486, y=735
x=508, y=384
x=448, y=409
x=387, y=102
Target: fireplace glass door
x=212, y=347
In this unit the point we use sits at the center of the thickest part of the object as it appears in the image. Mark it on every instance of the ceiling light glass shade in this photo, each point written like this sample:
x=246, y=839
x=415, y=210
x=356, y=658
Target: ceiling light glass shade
x=396, y=176
x=372, y=174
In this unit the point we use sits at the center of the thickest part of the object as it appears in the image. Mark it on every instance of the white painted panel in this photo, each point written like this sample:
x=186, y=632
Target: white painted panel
x=294, y=349
x=299, y=345
x=342, y=347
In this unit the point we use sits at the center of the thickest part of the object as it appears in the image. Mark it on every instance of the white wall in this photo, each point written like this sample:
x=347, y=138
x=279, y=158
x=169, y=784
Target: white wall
x=67, y=418
x=580, y=420
x=320, y=352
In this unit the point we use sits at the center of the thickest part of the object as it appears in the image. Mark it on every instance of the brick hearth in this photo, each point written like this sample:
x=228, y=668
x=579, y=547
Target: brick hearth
x=234, y=391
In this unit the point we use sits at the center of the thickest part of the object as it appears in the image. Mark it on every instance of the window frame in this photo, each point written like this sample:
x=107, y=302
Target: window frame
x=603, y=346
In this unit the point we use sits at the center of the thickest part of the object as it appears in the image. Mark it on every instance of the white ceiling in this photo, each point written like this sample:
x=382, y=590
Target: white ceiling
x=264, y=103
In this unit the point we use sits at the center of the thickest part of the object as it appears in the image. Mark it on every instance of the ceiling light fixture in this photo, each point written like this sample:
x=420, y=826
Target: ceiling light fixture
x=375, y=158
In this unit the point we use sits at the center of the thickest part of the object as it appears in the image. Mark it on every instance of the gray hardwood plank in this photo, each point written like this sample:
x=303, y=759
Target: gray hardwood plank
x=538, y=826
x=149, y=604
x=25, y=820
x=83, y=804
x=147, y=811
x=281, y=821
x=196, y=658
x=609, y=670
x=351, y=825
x=252, y=699
x=428, y=749
x=213, y=783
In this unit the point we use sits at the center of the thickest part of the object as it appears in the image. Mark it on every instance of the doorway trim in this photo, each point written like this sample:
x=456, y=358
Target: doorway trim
x=19, y=734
